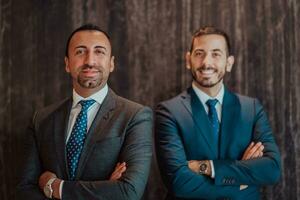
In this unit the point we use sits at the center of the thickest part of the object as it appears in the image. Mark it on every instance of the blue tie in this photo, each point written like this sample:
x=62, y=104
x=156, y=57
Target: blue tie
x=213, y=116
x=77, y=138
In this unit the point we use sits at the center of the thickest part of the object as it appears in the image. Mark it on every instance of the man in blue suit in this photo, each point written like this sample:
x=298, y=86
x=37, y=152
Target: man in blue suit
x=212, y=143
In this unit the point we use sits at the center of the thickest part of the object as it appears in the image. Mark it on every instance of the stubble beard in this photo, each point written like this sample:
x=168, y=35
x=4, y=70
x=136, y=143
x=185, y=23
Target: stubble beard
x=90, y=82
x=206, y=82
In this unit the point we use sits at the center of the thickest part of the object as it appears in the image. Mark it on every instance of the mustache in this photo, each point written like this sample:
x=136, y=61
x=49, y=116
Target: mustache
x=90, y=67
x=204, y=67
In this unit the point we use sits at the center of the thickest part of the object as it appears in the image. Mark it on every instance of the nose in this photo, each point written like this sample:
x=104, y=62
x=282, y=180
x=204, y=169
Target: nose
x=207, y=61
x=90, y=59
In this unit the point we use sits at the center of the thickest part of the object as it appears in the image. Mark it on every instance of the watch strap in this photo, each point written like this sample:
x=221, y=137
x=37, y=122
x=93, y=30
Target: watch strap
x=48, y=185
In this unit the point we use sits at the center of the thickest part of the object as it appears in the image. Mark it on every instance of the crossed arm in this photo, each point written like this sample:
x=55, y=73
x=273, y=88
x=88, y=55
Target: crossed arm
x=126, y=182
x=259, y=165
x=254, y=150
x=47, y=175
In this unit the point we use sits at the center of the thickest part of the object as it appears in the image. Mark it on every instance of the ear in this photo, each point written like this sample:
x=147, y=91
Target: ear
x=188, y=60
x=67, y=68
x=230, y=61
x=112, y=64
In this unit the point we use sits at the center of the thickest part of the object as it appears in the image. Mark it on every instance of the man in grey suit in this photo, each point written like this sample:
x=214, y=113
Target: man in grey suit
x=94, y=145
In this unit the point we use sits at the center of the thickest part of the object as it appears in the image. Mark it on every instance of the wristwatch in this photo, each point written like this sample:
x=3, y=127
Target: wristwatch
x=203, y=167
x=48, y=191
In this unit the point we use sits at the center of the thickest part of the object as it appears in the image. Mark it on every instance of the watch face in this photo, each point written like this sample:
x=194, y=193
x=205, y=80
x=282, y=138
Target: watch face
x=203, y=167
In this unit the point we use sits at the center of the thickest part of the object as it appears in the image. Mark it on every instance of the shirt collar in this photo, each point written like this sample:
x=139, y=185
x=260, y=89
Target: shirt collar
x=204, y=97
x=98, y=96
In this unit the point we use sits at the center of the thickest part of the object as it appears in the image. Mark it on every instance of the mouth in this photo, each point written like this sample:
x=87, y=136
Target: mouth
x=207, y=72
x=90, y=72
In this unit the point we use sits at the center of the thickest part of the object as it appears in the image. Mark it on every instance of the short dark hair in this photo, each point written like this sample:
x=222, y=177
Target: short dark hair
x=85, y=27
x=209, y=30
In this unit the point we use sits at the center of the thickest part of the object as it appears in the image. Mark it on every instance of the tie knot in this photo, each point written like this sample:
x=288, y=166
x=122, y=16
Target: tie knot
x=86, y=103
x=211, y=102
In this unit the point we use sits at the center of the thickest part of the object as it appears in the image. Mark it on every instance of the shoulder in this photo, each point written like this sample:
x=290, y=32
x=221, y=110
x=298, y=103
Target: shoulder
x=247, y=100
x=248, y=104
x=174, y=101
x=130, y=108
x=46, y=112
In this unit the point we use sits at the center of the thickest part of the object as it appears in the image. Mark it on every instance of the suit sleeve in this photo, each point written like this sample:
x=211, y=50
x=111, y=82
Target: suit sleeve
x=259, y=171
x=136, y=152
x=28, y=187
x=173, y=164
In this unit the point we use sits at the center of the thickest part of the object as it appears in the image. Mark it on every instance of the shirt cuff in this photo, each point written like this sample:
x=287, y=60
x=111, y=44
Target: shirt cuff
x=60, y=189
x=212, y=169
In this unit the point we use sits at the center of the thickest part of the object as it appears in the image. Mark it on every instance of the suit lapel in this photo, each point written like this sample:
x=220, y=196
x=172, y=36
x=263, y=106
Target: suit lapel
x=231, y=109
x=196, y=109
x=96, y=131
x=60, y=132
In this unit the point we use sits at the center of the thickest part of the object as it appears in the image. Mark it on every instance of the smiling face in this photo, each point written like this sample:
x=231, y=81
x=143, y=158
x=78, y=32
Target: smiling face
x=89, y=61
x=208, y=62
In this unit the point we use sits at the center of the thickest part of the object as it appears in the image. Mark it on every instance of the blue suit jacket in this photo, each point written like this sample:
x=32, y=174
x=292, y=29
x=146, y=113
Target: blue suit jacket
x=183, y=133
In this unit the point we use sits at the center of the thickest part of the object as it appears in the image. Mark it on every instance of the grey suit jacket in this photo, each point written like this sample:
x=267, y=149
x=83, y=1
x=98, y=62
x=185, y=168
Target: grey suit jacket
x=121, y=131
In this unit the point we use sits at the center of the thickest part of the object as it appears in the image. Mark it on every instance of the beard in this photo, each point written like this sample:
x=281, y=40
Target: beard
x=88, y=81
x=205, y=81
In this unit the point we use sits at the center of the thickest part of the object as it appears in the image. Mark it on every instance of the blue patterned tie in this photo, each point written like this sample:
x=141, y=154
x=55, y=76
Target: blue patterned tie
x=77, y=138
x=213, y=116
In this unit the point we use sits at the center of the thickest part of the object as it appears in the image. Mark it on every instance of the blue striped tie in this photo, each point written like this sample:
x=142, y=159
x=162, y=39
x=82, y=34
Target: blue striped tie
x=77, y=138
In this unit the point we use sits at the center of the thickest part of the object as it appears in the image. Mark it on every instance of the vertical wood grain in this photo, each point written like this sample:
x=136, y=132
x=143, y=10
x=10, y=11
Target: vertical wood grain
x=149, y=41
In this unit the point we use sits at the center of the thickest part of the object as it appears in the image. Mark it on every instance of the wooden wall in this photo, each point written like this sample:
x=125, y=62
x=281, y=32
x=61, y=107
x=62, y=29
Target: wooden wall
x=149, y=40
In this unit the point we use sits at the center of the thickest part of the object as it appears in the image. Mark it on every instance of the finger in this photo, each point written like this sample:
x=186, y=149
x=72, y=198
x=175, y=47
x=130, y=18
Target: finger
x=117, y=174
x=252, y=150
x=114, y=176
x=255, y=150
x=258, y=152
x=250, y=146
x=119, y=165
x=121, y=168
x=247, y=150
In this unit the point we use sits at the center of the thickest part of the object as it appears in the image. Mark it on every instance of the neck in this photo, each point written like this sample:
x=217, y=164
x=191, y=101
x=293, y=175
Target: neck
x=210, y=91
x=86, y=92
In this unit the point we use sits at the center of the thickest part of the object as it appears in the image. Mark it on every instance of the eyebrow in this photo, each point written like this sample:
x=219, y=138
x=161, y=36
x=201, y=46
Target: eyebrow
x=214, y=50
x=219, y=50
x=96, y=47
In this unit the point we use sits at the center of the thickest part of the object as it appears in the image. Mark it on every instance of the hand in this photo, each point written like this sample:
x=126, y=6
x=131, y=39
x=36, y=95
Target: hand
x=44, y=178
x=119, y=170
x=253, y=151
x=194, y=165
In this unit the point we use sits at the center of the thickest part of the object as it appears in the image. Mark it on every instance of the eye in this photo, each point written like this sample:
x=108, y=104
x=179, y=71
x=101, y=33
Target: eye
x=199, y=53
x=216, y=55
x=100, y=52
x=79, y=51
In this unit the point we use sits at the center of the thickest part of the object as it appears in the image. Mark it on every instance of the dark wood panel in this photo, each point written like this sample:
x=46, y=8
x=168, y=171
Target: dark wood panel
x=149, y=41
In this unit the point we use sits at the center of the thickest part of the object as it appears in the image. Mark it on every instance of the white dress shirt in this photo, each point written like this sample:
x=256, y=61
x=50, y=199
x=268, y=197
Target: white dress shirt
x=92, y=110
x=91, y=114
x=203, y=97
